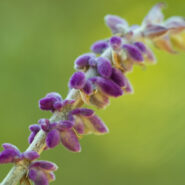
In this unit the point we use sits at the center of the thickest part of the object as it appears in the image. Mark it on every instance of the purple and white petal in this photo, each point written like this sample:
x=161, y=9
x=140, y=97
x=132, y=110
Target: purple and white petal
x=88, y=87
x=133, y=52
x=53, y=138
x=30, y=155
x=82, y=61
x=77, y=80
x=70, y=140
x=99, y=46
x=115, y=42
x=114, y=22
x=155, y=15
x=118, y=77
x=65, y=125
x=44, y=165
x=107, y=86
x=99, y=126
x=104, y=67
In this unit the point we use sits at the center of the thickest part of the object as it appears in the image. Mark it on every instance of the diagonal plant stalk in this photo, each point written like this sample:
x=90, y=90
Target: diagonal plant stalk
x=103, y=74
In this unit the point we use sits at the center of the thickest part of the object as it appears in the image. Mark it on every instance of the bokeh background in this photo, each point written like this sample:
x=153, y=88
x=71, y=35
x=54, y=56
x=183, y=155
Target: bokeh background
x=39, y=40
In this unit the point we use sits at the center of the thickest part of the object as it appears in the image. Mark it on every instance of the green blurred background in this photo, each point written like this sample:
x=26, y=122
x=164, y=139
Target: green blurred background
x=39, y=41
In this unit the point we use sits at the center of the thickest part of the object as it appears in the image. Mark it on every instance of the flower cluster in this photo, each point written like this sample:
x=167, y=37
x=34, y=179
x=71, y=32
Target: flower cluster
x=79, y=121
x=11, y=154
x=41, y=172
x=99, y=76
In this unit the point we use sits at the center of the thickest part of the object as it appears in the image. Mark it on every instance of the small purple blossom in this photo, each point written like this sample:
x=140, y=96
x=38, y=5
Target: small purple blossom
x=86, y=122
x=51, y=101
x=115, y=42
x=116, y=23
x=133, y=52
x=140, y=46
x=41, y=172
x=107, y=86
x=88, y=88
x=118, y=77
x=34, y=130
x=99, y=46
x=77, y=80
x=83, y=60
x=11, y=154
x=104, y=67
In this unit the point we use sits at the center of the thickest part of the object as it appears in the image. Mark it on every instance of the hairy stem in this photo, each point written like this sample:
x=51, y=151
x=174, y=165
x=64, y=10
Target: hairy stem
x=20, y=169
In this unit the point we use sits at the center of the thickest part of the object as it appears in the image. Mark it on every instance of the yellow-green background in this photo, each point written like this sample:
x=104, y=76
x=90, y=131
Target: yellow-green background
x=39, y=41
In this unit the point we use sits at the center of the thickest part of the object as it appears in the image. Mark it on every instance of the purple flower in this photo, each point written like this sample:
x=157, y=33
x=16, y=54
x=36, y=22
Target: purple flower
x=41, y=172
x=70, y=140
x=107, y=86
x=77, y=80
x=140, y=46
x=11, y=154
x=34, y=130
x=88, y=88
x=115, y=42
x=53, y=138
x=118, y=77
x=104, y=67
x=85, y=122
x=99, y=46
x=52, y=102
x=83, y=60
x=116, y=23
x=133, y=52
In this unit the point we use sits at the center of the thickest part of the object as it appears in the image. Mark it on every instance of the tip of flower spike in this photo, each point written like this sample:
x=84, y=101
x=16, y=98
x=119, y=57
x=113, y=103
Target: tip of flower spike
x=77, y=80
x=115, y=22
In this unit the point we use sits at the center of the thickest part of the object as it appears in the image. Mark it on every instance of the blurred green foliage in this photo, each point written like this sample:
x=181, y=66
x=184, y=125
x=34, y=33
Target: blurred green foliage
x=39, y=41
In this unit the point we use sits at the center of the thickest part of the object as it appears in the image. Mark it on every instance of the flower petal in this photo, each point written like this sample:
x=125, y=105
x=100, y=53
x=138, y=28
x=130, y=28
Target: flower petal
x=65, y=125
x=107, y=86
x=114, y=22
x=82, y=61
x=77, y=80
x=44, y=165
x=99, y=126
x=104, y=67
x=53, y=138
x=155, y=15
x=47, y=103
x=99, y=46
x=88, y=87
x=118, y=77
x=9, y=155
x=115, y=42
x=133, y=52
x=30, y=155
x=38, y=177
x=82, y=112
x=153, y=31
x=70, y=140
